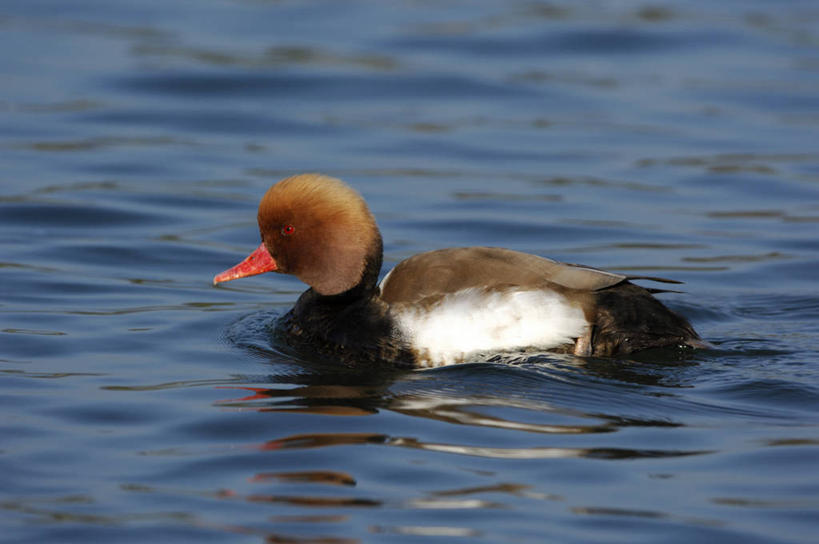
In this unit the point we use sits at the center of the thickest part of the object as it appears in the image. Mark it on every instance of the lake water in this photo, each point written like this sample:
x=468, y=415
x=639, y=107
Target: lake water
x=140, y=403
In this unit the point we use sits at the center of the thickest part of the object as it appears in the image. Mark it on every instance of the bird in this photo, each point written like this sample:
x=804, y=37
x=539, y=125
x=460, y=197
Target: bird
x=444, y=306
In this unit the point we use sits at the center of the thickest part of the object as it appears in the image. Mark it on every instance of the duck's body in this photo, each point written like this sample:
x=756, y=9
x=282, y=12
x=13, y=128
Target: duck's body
x=443, y=306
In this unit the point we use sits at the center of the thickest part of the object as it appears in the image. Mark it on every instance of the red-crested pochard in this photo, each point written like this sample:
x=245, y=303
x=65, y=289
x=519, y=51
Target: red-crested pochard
x=442, y=306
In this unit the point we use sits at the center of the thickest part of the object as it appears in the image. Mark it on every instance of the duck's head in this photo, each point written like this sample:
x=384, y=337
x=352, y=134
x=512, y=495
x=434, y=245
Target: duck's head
x=316, y=228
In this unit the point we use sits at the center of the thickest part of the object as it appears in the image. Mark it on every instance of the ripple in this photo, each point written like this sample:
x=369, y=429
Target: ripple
x=324, y=440
x=66, y=106
x=96, y=144
x=202, y=121
x=172, y=385
x=454, y=150
x=33, y=331
x=75, y=215
x=426, y=531
x=507, y=197
x=357, y=87
x=273, y=57
x=770, y=391
x=772, y=255
x=315, y=502
x=47, y=375
x=313, y=477
x=760, y=164
x=584, y=40
x=545, y=452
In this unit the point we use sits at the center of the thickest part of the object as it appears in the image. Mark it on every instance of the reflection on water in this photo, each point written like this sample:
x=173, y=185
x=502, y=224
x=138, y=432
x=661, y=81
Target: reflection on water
x=447, y=402
x=313, y=489
x=321, y=477
x=451, y=396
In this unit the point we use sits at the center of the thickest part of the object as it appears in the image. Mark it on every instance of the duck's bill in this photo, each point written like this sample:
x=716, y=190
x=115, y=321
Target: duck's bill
x=257, y=262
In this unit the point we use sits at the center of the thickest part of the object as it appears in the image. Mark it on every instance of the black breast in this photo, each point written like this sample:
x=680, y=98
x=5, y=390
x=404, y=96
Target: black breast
x=352, y=331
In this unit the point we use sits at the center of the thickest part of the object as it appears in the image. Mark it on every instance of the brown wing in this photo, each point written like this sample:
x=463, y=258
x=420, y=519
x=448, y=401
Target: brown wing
x=436, y=273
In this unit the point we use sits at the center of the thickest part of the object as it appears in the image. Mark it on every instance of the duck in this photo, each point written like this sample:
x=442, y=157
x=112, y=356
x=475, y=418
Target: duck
x=443, y=306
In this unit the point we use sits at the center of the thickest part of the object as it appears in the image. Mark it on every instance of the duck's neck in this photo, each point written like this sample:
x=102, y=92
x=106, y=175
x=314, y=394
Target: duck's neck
x=366, y=288
x=355, y=324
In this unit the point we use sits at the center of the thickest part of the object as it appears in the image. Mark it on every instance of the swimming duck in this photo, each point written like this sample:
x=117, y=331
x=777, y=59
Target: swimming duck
x=444, y=306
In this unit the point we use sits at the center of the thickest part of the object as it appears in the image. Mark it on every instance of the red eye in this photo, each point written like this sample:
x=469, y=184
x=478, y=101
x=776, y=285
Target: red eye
x=287, y=230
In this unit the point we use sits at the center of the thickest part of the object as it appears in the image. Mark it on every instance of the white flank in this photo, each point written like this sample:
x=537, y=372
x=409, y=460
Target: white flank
x=472, y=321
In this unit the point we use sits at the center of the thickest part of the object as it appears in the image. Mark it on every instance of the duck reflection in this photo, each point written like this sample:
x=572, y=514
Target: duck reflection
x=459, y=395
x=553, y=400
x=328, y=477
x=308, y=441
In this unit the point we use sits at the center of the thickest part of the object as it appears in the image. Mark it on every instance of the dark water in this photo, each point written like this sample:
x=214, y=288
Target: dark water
x=142, y=404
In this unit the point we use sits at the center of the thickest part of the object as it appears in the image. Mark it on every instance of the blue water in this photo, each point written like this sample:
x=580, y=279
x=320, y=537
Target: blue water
x=140, y=403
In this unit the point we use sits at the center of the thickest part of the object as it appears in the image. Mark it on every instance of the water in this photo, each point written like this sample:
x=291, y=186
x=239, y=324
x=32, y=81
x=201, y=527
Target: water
x=141, y=403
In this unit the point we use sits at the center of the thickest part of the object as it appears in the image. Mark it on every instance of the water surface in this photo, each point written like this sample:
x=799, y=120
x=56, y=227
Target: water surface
x=140, y=402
